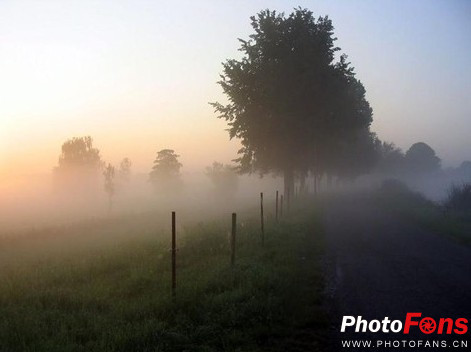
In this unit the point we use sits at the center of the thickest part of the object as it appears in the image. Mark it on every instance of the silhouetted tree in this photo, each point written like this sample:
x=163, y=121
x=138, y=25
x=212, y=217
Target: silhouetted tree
x=288, y=97
x=79, y=163
x=109, y=175
x=391, y=160
x=166, y=170
x=356, y=154
x=421, y=158
x=224, y=178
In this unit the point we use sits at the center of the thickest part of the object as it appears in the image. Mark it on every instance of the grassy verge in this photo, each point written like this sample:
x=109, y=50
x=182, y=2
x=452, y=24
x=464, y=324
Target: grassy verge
x=413, y=206
x=116, y=297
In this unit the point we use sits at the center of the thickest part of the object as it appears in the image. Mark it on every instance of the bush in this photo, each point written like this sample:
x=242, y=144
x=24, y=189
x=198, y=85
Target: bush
x=397, y=194
x=459, y=197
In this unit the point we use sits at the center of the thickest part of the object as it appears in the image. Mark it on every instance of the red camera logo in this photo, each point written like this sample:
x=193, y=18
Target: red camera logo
x=426, y=325
x=429, y=325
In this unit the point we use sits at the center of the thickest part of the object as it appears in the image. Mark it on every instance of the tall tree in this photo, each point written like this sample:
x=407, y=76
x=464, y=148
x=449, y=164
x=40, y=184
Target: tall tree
x=289, y=99
x=166, y=170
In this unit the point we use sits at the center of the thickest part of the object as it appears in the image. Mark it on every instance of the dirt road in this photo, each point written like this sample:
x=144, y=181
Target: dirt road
x=381, y=265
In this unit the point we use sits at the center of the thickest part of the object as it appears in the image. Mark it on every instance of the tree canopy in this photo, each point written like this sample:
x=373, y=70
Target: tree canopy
x=166, y=169
x=391, y=159
x=79, y=152
x=290, y=102
x=422, y=158
x=79, y=164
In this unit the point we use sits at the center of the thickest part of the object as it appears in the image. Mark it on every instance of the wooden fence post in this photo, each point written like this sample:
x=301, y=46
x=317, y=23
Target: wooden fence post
x=261, y=218
x=233, y=238
x=174, y=257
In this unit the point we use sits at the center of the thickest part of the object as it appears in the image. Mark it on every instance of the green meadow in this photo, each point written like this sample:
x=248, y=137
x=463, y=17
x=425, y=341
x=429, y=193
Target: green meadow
x=105, y=285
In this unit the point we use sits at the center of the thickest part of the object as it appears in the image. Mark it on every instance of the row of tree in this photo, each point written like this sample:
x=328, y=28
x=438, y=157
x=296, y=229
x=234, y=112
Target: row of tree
x=297, y=108
x=419, y=159
x=165, y=174
x=296, y=105
x=80, y=163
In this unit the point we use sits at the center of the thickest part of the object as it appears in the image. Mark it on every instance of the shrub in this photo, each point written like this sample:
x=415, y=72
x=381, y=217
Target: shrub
x=398, y=193
x=459, y=197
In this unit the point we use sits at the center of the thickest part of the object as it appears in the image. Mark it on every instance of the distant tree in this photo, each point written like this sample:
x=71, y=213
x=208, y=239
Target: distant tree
x=79, y=163
x=421, y=158
x=289, y=99
x=356, y=154
x=224, y=178
x=124, y=170
x=166, y=170
x=391, y=160
x=109, y=175
x=79, y=152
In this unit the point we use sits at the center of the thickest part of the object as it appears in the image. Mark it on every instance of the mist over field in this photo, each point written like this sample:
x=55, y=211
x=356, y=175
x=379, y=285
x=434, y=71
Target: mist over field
x=234, y=175
x=32, y=201
x=31, y=204
x=138, y=79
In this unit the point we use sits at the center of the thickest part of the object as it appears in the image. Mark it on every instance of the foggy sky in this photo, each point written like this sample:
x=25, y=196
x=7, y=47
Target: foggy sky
x=138, y=75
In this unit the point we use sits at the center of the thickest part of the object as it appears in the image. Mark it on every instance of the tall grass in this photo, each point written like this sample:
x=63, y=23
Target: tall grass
x=459, y=197
x=80, y=296
x=453, y=220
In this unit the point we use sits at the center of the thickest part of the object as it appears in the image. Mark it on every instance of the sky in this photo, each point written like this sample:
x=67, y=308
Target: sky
x=137, y=76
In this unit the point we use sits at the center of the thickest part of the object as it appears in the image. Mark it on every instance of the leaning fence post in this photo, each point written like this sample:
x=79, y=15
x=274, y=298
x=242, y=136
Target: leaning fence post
x=174, y=257
x=233, y=238
x=261, y=218
x=276, y=210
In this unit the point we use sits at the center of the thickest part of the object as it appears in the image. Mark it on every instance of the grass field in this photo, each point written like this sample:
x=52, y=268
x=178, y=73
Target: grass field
x=106, y=287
